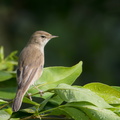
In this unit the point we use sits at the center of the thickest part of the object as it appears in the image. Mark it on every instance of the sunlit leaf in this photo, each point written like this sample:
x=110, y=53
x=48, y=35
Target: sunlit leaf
x=110, y=94
x=52, y=76
x=1, y=53
x=3, y=101
x=95, y=113
x=72, y=94
x=4, y=115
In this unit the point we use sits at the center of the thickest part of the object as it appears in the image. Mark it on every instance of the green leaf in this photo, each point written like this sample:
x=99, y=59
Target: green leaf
x=95, y=113
x=31, y=110
x=73, y=94
x=56, y=100
x=12, y=56
x=2, y=101
x=82, y=105
x=4, y=115
x=14, y=118
x=116, y=87
x=110, y=94
x=116, y=110
x=75, y=113
x=9, y=62
x=58, y=112
x=42, y=105
x=4, y=76
x=27, y=100
x=1, y=53
x=7, y=93
x=7, y=65
x=78, y=104
x=52, y=76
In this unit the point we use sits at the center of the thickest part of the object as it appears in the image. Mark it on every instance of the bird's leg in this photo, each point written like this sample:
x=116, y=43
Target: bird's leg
x=40, y=91
x=29, y=96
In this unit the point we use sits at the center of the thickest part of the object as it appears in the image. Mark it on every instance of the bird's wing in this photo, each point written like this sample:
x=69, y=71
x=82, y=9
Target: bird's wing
x=30, y=67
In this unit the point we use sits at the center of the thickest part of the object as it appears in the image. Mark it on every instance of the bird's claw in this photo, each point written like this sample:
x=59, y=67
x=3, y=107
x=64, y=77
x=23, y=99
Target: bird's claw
x=29, y=96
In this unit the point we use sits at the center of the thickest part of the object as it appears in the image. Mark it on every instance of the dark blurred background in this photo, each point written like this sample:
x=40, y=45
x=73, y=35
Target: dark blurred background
x=88, y=30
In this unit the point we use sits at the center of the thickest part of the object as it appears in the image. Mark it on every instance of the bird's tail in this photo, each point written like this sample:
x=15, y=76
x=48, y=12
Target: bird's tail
x=18, y=100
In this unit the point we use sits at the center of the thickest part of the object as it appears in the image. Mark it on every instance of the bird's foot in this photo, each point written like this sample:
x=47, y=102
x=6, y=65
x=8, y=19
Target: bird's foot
x=29, y=96
x=41, y=92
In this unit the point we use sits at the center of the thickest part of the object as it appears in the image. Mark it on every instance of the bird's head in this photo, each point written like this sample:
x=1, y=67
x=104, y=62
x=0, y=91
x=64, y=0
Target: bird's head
x=41, y=37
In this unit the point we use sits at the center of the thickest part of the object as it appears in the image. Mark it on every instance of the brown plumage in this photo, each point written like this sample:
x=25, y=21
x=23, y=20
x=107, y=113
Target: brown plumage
x=30, y=65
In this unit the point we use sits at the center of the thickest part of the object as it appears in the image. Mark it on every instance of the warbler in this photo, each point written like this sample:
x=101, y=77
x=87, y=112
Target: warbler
x=30, y=65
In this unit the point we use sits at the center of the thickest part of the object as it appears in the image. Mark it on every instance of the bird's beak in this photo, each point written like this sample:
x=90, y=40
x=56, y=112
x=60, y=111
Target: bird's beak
x=54, y=36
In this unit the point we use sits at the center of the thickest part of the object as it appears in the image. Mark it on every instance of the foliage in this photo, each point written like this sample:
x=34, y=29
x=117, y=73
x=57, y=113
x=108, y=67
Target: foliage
x=61, y=99
x=7, y=64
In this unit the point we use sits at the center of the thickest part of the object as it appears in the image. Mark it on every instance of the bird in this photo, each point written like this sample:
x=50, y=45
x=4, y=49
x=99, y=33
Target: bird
x=30, y=65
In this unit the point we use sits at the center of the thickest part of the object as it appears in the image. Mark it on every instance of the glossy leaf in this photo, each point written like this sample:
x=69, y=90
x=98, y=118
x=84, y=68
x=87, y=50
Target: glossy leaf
x=95, y=113
x=75, y=113
x=110, y=94
x=52, y=76
x=4, y=115
x=72, y=94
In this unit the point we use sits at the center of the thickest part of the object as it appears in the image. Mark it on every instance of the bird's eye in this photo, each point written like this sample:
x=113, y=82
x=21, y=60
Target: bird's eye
x=43, y=36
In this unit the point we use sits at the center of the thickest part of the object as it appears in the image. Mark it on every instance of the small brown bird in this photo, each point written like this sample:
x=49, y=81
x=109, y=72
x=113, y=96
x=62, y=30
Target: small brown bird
x=30, y=65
